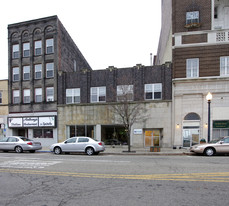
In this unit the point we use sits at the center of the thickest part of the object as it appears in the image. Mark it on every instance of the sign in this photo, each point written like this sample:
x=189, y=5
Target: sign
x=48, y=121
x=221, y=124
x=137, y=131
x=30, y=121
x=15, y=122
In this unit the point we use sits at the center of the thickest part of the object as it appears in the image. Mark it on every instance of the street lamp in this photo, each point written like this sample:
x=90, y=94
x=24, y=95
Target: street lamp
x=209, y=98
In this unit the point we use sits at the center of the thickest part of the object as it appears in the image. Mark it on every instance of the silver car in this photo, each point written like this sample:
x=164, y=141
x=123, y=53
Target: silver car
x=19, y=144
x=214, y=147
x=78, y=144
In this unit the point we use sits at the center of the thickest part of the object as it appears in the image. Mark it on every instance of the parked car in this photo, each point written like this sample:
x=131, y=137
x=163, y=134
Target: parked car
x=214, y=147
x=78, y=144
x=19, y=144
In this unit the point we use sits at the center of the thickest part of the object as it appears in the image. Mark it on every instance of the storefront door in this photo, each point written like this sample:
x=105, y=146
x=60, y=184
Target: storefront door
x=152, y=137
x=190, y=137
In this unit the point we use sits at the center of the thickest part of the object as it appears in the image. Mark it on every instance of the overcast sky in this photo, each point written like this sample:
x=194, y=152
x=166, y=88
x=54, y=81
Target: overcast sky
x=120, y=33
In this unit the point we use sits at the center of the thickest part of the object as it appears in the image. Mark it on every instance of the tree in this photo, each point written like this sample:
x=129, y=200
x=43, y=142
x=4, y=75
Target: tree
x=128, y=112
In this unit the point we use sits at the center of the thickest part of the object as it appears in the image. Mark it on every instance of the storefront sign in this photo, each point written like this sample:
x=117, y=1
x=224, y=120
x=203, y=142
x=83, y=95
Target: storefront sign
x=15, y=122
x=137, y=131
x=48, y=121
x=221, y=124
x=30, y=121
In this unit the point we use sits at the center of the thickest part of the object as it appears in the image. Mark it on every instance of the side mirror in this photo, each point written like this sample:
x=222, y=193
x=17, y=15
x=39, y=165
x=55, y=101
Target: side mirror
x=221, y=142
x=65, y=142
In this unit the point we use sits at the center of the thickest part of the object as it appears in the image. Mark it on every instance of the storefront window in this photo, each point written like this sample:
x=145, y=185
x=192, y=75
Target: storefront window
x=81, y=130
x=43, y=133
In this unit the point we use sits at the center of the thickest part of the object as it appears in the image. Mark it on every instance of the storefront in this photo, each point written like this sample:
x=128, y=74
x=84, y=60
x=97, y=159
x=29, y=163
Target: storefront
x=43, y=128
x=220, y=128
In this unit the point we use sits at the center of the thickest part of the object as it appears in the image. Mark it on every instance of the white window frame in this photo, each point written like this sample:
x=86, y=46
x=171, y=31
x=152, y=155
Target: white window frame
x=26, y=49
x=15, y=51
x=38, y=95
x=152, y=89
x=26, y=96
x=16, y=97
x=16, y=75
x=50, y=70
x=192, y=68
x=37, y=71
x=98, y=94
x=125, y=93
x=37, y=48
x=72, y=95
x=192, y=17
x=26, y=72
x=224, y=66
x=49, y=46
x=49, y=94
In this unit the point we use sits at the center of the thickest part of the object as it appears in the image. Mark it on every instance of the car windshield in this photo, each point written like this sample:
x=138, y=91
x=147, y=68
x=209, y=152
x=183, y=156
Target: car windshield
x=216, y=140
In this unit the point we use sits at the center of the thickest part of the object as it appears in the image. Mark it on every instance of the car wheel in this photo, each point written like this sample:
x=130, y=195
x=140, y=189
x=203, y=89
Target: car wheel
x=18, y=149
x=209, y=151
x=57, y=150
x=90, y=151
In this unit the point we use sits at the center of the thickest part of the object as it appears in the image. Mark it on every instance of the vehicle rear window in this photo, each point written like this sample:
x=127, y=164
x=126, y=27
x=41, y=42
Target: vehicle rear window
x=25, y=139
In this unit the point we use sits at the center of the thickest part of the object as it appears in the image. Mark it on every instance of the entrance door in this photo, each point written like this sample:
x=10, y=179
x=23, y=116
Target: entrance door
x=152, y=137
x=190, y=137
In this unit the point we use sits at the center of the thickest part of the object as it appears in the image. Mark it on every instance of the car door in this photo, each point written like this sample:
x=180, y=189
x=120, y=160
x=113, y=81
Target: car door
x=11, y=143
x=82, y=143
x=224, y=145
x=3, y=143
x=69, y=145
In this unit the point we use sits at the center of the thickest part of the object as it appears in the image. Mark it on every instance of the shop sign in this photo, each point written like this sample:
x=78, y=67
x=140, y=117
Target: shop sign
x=15, y=122
x=47, y=121
x=137, y=131
x=221, y=124
x=30, y=121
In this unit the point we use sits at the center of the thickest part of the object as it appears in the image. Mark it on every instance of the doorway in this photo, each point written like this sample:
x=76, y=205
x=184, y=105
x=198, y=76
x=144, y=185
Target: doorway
x=152, y=137
x=190, y=136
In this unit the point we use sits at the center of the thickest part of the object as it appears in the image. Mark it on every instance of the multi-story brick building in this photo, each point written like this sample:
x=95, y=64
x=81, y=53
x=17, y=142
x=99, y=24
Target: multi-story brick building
x=195, y=38
x=38, y=50
x=3, y=107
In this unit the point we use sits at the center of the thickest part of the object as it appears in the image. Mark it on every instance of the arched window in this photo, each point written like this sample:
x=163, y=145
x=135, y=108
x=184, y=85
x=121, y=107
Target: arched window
x=192, y=116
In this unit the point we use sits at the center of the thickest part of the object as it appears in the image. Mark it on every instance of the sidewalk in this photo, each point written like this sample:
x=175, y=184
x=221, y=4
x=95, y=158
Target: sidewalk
x=123, y=150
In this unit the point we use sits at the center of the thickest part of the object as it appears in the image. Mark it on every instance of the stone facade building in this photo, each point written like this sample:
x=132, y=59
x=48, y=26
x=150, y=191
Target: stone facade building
x=196, y=42
x=3, y=107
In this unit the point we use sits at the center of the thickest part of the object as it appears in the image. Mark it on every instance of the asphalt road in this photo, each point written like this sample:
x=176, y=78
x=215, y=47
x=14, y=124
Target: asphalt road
x=44, y=179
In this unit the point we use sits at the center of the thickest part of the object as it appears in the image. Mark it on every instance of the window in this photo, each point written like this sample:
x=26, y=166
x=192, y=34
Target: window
x=26, y=72
x=73, y=95
x=15, y=51
x=50, y=70
x=98, y=94
x=43, y=133
x=38, y=71
x=83, y=139
x=16, y=97
x=153, y=91
x=192, y=68
x=75, y=65
x=49, y=46
x=37, y=48
x=26, y=98
x=192, y=17
x=125, y=92
x=0, y=97
x=16, y=74
x=216, y=12
x=224, y=66
x=26, y=49
x=38, y=94
x=49, y=94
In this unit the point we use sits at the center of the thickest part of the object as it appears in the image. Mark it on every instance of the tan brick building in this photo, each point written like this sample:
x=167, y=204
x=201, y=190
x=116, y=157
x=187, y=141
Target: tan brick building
x=3, y=107
x=195, y=38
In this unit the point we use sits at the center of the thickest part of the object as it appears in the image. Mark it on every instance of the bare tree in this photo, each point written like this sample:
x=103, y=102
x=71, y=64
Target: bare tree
x=128, y=112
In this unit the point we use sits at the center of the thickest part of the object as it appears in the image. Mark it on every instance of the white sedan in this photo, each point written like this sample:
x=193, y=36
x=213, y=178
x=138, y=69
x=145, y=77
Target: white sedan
x=19, y=144
x=78, y=144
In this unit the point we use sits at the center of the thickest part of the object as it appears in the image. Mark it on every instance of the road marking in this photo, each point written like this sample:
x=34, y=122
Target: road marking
x=192, y=177
x=28, y=164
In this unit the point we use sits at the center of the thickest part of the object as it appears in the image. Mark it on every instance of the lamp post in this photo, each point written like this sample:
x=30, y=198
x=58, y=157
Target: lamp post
x=209, y=98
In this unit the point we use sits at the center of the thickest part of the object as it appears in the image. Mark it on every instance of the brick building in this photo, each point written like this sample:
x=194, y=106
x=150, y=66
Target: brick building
x=3, y=107
x=194, y=37
x=38, y=50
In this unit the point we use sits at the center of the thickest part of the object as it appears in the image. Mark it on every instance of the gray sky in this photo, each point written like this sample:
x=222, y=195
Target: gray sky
x=120, y=33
